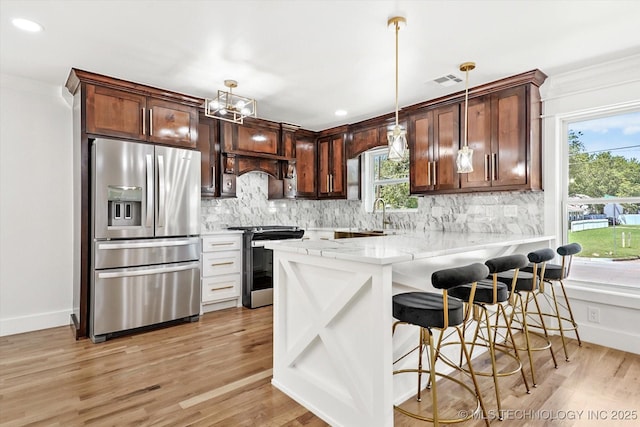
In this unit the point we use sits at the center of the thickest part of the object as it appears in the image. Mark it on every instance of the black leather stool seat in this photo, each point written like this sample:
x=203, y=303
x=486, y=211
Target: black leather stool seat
x=426, y=309
x=484, y=292
x=523, y=283
x=551, y=271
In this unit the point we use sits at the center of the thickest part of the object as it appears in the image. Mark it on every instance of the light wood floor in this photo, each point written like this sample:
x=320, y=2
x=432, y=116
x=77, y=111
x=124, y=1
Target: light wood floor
x=217, y=372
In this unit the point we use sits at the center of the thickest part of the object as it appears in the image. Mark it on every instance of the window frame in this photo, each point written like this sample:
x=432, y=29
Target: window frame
x=369, y=182
x=565, y=200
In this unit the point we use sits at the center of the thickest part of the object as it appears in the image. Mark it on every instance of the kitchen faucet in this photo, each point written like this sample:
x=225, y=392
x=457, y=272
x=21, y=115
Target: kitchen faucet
x=385, y=221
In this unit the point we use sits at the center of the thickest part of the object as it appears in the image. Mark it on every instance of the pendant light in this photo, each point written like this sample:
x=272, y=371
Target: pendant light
x=397, y=137
x=464, y=161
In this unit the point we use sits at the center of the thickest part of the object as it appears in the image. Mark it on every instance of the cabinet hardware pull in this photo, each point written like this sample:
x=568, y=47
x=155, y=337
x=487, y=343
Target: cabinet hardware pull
x=331, y=182
x=144, y=121
x=224, y=287
x=495, y=166
x=213, y=178
x=221, y=244
x=328, y=185
x=487, y=175
x=435, y=176
x=229, y=184
x=220, y=264
x=151, y=122
x=428, y=173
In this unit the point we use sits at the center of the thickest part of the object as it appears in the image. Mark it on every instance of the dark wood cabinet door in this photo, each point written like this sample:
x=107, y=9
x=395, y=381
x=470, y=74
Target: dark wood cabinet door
x=331, y=168
x=208, y=167
x=113, y=112
x=324, y=178
x=446, y=137
x=420, y=152
x=338, y=167
x=306, y=168
x=288, y=144
x=509, y=142
x=479, y=140
x=172, y=123
x=257, y=140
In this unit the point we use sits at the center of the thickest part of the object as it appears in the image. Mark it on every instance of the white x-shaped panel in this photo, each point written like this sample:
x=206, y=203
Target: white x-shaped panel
x=329, y=338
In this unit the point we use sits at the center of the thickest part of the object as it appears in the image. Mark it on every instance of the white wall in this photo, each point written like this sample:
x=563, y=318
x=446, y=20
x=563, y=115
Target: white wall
x=602, y=88
x=35, y=206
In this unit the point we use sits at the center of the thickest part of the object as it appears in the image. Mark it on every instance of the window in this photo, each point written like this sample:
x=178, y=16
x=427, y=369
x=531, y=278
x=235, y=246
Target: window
x=602, y=202
x=388, y=180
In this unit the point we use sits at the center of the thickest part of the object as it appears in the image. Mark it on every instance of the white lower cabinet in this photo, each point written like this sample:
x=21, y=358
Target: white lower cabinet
x=221, y=270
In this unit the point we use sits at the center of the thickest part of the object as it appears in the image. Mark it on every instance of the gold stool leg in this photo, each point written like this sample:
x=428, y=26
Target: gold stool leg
x=525, y=328
x=573, y=320
x=420, y=351
x=559, y=317
x=515, y=347
x=432, y=378
x=544, y=328
x=492, y=353
x=473, y=377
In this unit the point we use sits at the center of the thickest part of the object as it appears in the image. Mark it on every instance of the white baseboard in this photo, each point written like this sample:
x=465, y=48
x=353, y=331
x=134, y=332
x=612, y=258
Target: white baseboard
x=607, y=337
x=35, y=322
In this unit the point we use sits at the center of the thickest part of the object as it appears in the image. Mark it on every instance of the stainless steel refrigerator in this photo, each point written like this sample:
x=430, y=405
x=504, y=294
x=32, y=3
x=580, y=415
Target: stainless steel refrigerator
x=145, y=227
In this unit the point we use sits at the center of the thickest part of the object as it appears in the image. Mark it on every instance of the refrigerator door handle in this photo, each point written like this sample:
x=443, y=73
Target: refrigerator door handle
x=161, y=189
x=149, y=208
x=146, y=271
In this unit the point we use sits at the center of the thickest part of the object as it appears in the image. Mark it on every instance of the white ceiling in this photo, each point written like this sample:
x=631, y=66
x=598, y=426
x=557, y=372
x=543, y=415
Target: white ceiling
x=302, y=60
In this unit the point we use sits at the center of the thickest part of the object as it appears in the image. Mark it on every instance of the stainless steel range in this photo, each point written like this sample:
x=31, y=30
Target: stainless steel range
x=257, y=274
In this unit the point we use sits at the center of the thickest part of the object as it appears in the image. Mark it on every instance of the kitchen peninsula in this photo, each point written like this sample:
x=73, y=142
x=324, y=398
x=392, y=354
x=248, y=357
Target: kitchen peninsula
x=333, y=348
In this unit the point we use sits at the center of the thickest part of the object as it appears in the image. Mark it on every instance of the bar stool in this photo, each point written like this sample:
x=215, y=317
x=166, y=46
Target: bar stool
x=528, y=284
x=557, y=273
x=434, y=311
x=493, y=293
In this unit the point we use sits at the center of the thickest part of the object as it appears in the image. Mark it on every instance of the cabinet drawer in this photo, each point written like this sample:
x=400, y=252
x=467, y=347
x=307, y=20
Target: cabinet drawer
x=220, y=287
x=217, y=263
x=221, y=243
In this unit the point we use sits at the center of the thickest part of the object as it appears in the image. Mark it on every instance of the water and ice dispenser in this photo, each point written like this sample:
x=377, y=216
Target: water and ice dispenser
x=125, y=206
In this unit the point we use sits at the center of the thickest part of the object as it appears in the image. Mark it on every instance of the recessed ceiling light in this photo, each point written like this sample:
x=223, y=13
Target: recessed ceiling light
x=27, y=25
x=340, y=113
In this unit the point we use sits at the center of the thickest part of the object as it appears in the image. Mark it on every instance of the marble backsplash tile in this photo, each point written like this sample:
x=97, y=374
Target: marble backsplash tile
x=497, y=212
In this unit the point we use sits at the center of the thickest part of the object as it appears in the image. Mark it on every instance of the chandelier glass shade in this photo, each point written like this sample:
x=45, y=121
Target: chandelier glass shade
x=230, y=107
x=397, y=137
x=464, y=160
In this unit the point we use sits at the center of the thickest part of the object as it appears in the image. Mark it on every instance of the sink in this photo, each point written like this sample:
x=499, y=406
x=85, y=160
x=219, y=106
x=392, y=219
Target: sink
x=344, y=234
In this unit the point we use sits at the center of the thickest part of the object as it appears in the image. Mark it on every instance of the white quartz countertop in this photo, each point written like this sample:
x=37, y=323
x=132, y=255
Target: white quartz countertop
x=217, y=232
x=405, y=246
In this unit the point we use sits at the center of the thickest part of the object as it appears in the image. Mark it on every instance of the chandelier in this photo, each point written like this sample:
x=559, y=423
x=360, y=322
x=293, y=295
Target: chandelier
x=397, y=137
x=230, y=107
x=464, y=161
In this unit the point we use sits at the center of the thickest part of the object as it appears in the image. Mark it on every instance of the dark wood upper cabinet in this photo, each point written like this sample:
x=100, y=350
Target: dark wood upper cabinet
x=366, y=139
x=114, y=112
x=504, y=134
x=209, y=157
x=122, y=109
x=331, y=167
x=306, y=166
x=434, y=137
x=172, y=124
x=255, y=138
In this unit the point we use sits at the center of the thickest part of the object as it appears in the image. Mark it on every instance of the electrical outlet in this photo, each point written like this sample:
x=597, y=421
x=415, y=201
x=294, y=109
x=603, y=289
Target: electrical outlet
x=593, y=314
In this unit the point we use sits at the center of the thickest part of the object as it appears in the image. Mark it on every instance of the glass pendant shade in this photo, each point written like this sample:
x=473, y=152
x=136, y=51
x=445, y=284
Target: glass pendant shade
x=397, y=139
x=464, y=161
